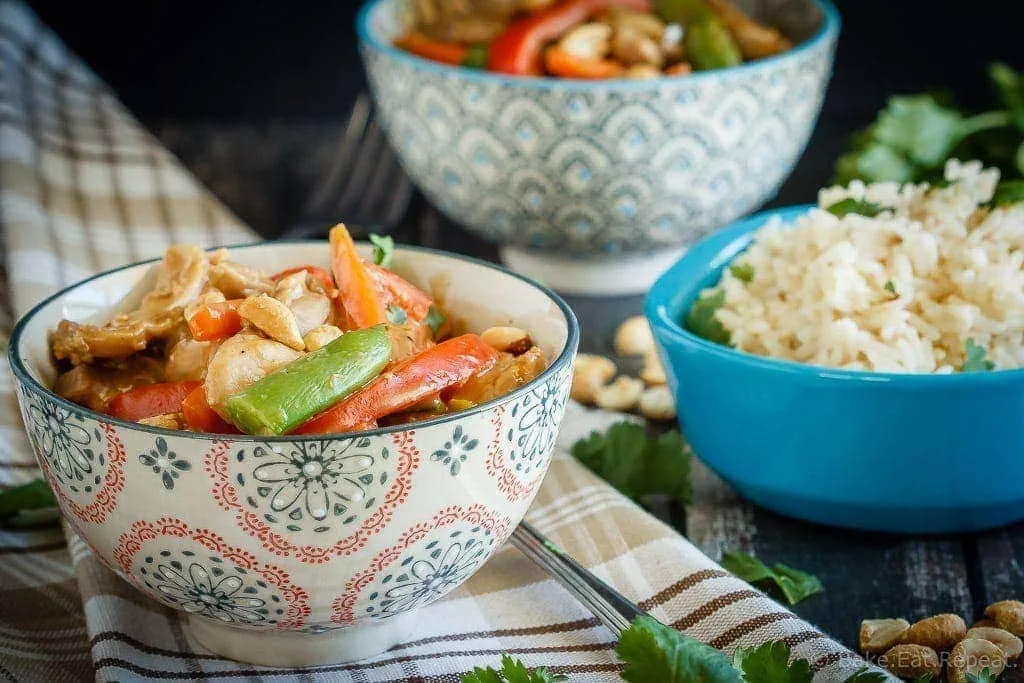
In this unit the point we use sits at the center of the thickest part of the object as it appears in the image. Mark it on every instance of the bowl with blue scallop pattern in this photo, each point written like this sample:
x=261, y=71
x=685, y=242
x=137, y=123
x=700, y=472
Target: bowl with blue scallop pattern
x=597, y=186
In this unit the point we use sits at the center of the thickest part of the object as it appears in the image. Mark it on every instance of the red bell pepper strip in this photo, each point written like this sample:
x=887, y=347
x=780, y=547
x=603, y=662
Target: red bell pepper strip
x=356, y=291
x=518, y=49
x=215, y=321
x=434, y=50
x=200, y=417
x=395, y=290
x=440, y=367
x=150, y=400
x=566, y=65
x=321, y=275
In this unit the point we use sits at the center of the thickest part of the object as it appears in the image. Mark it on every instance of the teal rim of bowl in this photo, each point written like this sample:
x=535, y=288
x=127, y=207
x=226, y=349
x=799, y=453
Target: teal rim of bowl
x=564, y=358
x=658, y=305
x=827, y=30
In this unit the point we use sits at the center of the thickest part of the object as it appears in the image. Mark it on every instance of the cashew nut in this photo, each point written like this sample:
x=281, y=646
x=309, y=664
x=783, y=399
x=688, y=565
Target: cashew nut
x=653, y=372
x=621, y=395
x=272, y=318
x=590, y=374
x=632, y=47
x=634, y=337
x=321, y=336
x=508, y=339
x=642, y=72
x=656, y=403
x=587, y=41
x=972, y=656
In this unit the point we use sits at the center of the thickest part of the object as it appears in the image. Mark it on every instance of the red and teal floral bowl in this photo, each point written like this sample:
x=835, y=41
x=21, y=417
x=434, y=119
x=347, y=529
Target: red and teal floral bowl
x=303, y=550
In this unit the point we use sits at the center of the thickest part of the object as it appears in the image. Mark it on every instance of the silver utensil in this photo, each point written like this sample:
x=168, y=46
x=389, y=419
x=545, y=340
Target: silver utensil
x=612, y=608
x=365, y=185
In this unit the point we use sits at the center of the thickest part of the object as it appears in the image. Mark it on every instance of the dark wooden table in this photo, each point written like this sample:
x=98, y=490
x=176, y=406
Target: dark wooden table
x=265, y=172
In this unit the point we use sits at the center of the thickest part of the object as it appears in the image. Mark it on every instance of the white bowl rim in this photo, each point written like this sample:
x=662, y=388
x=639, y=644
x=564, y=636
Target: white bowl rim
x=828, y=29
x=564, y=358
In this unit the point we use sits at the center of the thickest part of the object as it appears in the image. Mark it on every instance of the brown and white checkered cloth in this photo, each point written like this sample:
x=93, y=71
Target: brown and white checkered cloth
x=84, y=188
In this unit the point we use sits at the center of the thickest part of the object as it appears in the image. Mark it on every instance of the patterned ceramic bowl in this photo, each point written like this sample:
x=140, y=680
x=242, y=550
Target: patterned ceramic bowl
x=596, y=187
x=300, y=550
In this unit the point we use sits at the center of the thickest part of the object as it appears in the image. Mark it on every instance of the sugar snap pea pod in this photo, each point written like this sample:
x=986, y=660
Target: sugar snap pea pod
x=683, y=12
x=285, y=399
x=709, y=45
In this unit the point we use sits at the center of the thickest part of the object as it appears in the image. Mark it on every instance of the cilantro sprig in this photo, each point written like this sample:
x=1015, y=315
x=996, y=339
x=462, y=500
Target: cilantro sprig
x=974, y=358
x=636, y=464
x=702, y=322
x=794, y=584
x=861, y=207
x=383, y=249
x=512, y=671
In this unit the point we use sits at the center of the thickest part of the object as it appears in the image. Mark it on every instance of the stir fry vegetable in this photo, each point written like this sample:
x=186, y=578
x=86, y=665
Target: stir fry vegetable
x=589, y=39
x=285, y=399
x=306, y=350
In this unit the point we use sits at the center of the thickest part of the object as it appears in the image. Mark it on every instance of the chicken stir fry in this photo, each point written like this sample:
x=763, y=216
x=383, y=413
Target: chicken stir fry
x=219, y=347
x=589, y=39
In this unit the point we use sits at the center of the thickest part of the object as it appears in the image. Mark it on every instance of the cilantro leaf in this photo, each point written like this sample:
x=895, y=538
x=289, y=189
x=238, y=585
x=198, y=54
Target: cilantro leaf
x=655, y=653
x=974, y=358
x=873, y=162
x=866, y=675
x=890, y=287
x=920, y=128
x=35, y=495
x=1010, y=85
x=1008, y=192
x=861, y=207
x=742, y=271
x=434, y=319
x=397, y=315
x=702, y=322
x=795, y=585
x=986, y=676
x=512, y=671
x=769, y=663
x=636, y=464
x=383, y=249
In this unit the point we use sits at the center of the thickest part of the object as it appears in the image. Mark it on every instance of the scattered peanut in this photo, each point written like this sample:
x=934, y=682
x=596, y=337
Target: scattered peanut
x=634, y=337
x=321, y=336
x=272, y=318
x=657, y=403
x=1010, y=644
x=940, y=632
x=590, y=374
x=653, y=372
x=622, y=394
x=587, y=41
x=508, y=339
x=911, y=661
x=972, y=656
x=1008, y=615
x=878, y=635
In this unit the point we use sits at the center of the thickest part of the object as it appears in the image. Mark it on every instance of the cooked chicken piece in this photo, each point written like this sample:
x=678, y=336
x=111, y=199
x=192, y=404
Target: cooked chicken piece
x=272, y=318
x=312, y=309
x=321, y=336
x=508, y=374
x=181, y=277
x=240, y=362
x=189, y=359
x=168, y=421
x=754, y=39
x=94, y=386
x=236, y=281
x=409, y=339
x=119, y=338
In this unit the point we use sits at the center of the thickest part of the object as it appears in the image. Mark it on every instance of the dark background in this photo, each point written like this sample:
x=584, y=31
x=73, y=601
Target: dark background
x=259, y=61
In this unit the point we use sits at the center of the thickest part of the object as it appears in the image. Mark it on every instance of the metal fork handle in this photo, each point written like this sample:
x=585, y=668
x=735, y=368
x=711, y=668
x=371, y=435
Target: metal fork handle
x=612, y=608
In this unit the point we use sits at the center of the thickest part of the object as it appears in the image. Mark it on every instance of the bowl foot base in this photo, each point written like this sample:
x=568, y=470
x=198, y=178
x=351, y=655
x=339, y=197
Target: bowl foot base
x=616, y=276
x=295, y=649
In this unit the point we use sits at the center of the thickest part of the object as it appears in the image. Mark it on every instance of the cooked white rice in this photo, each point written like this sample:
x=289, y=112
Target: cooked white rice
x=818, y=293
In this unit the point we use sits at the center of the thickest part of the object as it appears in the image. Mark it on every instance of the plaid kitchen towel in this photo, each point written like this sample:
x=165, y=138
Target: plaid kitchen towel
x=84, y=188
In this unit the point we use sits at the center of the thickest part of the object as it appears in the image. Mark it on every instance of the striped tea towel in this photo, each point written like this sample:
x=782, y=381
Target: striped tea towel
x=84, y=188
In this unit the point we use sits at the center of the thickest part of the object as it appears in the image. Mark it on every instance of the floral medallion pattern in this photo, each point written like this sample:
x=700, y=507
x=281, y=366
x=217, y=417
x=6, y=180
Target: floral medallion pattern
x=165, y=463
x=197, y=572
x=526, y=431
x=83, y=458
x=428, y=561
x=455, y=450
x=313, y=500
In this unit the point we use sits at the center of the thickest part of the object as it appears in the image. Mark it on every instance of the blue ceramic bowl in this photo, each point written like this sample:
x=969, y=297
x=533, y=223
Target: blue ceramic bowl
x=877, y=451
x=564, y=173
